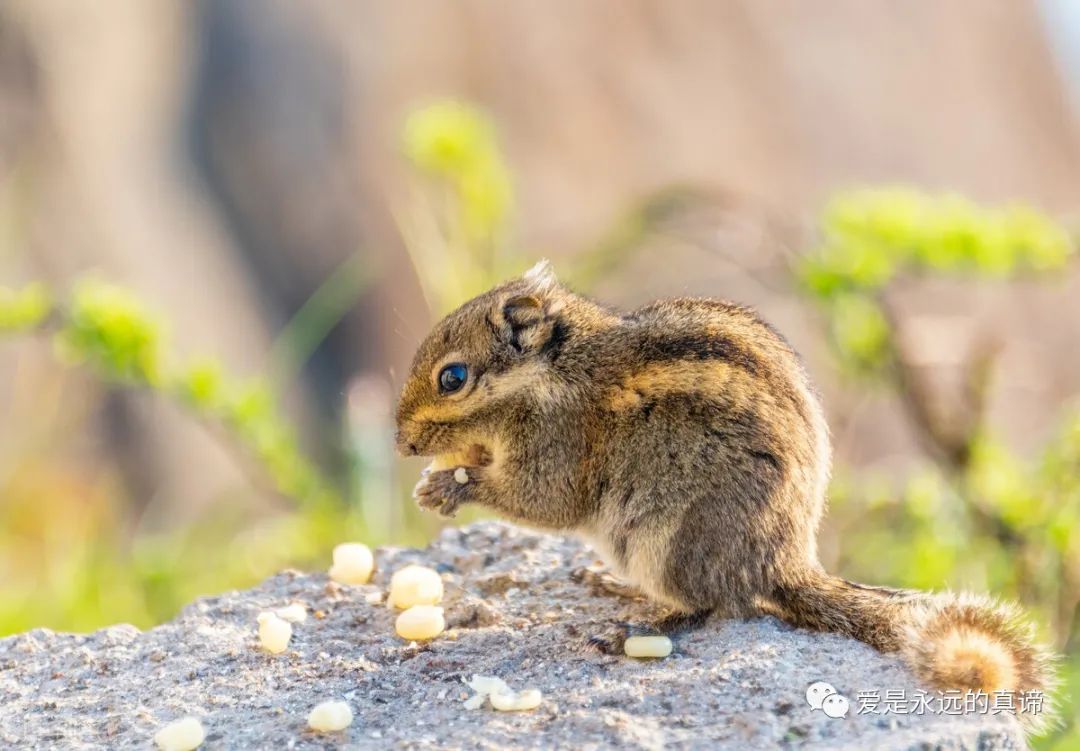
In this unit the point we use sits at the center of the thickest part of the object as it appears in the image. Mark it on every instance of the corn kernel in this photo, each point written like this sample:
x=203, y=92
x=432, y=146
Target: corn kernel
x=182, y=735
x=461, y=475
x=448, y=460
x=518, y=701
x=475, y=701
x=330, y=716
x=353, y=563
x=488, y=684
x=647, y=646
x=274, y=633
x=294, y=613
x=415, y=585
x=420, y=622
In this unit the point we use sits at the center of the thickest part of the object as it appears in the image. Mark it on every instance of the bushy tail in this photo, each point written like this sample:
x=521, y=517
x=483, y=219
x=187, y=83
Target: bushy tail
x=950, y=641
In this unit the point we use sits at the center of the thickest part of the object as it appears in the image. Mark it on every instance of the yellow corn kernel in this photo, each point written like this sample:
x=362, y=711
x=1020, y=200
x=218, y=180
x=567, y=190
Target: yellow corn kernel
x=448, y=460
x=518, y=701
x=420, y=622
x=353, y=563
x=415, y=585
x=647, y=646
x=294, y=613
x=183, y=735
x=274, y=633
x=330, y=716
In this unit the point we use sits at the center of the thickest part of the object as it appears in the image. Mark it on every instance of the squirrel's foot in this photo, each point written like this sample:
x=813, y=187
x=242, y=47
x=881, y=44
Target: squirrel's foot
x=442, y=492
x=611, y=639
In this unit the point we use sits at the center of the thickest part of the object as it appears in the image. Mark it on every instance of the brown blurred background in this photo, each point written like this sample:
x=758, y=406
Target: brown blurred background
x=238, y=165
x=224, y=158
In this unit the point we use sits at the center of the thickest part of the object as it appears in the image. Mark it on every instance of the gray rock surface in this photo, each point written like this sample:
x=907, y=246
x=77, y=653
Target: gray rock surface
x=517, y=610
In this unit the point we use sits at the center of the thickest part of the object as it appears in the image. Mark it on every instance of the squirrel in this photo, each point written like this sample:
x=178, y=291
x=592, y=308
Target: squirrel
x=685, y=441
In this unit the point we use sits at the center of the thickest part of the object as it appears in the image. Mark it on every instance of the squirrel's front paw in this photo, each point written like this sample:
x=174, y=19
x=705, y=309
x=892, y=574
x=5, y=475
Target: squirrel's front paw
x=440, y=491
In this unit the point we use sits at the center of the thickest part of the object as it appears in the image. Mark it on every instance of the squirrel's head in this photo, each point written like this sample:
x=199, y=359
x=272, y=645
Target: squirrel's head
x=494, y=349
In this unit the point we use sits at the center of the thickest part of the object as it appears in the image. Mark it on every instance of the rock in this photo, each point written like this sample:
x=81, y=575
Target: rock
x=519, y=608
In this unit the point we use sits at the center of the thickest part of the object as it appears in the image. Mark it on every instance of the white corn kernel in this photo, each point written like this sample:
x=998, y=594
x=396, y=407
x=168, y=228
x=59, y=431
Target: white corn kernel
x=488, y=684
x=461, y=476
x=294, y=613
x=415, y=585
x=475, y=701
x=274, y=633
x=647, y=646
x=420, y=622
x=330, y=716
x=183, y=735
x=353, y=563
x=519, y=701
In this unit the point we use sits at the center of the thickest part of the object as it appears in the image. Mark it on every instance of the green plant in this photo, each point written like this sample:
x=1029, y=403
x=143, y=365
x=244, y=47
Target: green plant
x=93, y=571
x=869, y=238
x=457, y=224
x=460, y=203
x=107, y=330
x=973, y=515
x=978, y=516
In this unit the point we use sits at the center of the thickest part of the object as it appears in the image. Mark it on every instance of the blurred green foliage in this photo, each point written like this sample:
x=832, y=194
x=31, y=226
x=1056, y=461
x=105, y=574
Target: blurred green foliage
x=456, y=143
x=84, y=569
x=457, y=225
x=869, y=237
x=976, y=516
x=108, y=330
x=23, y=309
x=972, y=514
x=458, y=218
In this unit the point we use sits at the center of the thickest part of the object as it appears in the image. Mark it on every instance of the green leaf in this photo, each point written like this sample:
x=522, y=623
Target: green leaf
x=109, y=330
x=23, y=309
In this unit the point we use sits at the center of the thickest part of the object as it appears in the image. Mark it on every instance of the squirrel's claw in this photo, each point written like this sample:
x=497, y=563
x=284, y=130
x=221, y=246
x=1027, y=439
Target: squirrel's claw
x=610, y=640
x=439, y=492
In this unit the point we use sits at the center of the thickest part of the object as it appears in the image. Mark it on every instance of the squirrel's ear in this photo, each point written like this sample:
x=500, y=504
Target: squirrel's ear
x=529, y=322
x=530, y=316
x=541, y=277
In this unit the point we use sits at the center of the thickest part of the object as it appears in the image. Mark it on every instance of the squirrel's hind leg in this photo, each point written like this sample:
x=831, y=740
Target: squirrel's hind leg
x=602, y=582
x=680, y=623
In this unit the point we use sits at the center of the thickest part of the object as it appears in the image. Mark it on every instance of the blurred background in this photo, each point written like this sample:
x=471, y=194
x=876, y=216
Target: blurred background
x=226, y=224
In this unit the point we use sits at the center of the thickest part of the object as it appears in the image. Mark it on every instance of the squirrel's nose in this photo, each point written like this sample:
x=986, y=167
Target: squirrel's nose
x=404, y=447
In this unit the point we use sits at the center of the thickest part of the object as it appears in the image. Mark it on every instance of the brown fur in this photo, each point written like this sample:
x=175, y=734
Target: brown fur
x=685, y=441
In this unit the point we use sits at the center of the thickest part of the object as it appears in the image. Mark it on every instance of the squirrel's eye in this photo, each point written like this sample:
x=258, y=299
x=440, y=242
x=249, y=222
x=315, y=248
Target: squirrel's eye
x=452, y=377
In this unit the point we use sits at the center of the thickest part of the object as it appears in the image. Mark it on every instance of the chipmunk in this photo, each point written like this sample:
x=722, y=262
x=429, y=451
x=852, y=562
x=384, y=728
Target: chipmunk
x=685, y=442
